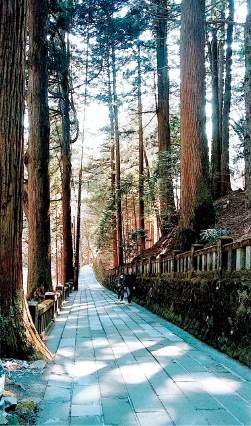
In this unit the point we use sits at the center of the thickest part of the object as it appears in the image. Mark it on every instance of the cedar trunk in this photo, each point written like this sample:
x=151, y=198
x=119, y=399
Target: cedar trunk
x=141, y=164
x=167, y=206
x=113, y=172
x=18, y=336
x=225, y=172
x=76, y=270
x=247, y=140
x=216, y=142
x=39, y=263
x=196, y=199
x=117, y=143
x=66, y=178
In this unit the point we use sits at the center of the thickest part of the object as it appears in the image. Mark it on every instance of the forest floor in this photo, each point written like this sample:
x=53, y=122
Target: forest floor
x=232, y=215
x=25, y=382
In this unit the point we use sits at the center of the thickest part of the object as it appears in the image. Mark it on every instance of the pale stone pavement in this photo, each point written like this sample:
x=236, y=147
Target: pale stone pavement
x=122, y=365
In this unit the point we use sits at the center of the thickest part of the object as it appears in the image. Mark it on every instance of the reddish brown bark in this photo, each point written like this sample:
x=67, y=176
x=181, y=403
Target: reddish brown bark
x=141, y=163
x=196, y=201
x=117, y=144
x=225, y=172
x=18, y=337
x=39, y=264
x=68, y=272
x=167, y=206
x=216, y=140
x=113, y=172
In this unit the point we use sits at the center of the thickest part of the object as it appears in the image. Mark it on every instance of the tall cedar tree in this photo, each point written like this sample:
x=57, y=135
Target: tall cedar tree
x=113, y=171
x=247, y=140
x=141, y=156
x=196, y=202
x=39, y=264
x=18, y=335
x=117, y=150
x=167, y=206
x=68, y=272
x=216, y=140
x=225, y=172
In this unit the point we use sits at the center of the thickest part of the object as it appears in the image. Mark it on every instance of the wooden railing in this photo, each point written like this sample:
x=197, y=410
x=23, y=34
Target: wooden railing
x=44, y=313
x=225, y=255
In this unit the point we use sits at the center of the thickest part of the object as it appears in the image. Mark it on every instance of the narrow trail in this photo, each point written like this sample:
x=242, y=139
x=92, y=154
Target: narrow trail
x=122, y=365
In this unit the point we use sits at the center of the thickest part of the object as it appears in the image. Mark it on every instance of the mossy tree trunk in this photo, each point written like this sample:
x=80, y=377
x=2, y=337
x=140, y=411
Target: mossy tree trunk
x=18, y=336
x=247, y=140
x=39, y=263
x=196, y=201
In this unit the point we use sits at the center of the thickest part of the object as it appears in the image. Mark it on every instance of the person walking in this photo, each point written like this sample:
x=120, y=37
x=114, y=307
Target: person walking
x=120, y=287
x=130, y=283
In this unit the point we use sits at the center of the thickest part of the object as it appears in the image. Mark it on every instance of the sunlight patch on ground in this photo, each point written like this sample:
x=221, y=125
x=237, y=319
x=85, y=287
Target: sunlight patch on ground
x=169, y=351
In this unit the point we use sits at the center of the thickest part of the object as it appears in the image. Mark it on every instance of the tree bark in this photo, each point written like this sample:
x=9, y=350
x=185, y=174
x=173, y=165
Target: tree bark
x=141, y=164
x=196, y=200
x=39, y=262
x=247, y=139
x=167, y=205
x=76, y=270
x=225, y=172
x=66, y=178
x=117, y=142
x=18, y=336
x=113, y=171
x=216, y=142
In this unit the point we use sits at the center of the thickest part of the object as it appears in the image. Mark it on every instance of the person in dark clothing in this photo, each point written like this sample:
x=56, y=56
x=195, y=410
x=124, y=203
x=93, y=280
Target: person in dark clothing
x=120, y=286
x=130, y=283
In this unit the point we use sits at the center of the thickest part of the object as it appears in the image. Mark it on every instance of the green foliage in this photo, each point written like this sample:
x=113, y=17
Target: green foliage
x=211, y=235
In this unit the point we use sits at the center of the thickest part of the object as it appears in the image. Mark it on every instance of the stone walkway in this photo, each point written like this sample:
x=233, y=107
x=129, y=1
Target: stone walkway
x=122, y=365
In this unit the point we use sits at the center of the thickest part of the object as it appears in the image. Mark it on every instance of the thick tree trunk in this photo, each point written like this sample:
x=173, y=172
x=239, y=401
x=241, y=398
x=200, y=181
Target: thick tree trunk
x=225, y=172
x=66, y=178
x=141, y=164
x=167, y=206
x=216, y=142
x=247, y=140
x=196, y=200
x=39, y=263
x=18, y=336
x=118, y=191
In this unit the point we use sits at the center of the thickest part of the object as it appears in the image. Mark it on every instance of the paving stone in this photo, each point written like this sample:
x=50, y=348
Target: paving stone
x=87, y=421
x=118, y=411
x=86, y=394
x=121, y=365
x=182, y=411
x=55, y=393
x=219, y=417
x=54, y=413
x=234, y=404
x=161, y=418
x=144, y=398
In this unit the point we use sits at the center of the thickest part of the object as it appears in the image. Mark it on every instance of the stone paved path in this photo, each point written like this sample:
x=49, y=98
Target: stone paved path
x=121, y=365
